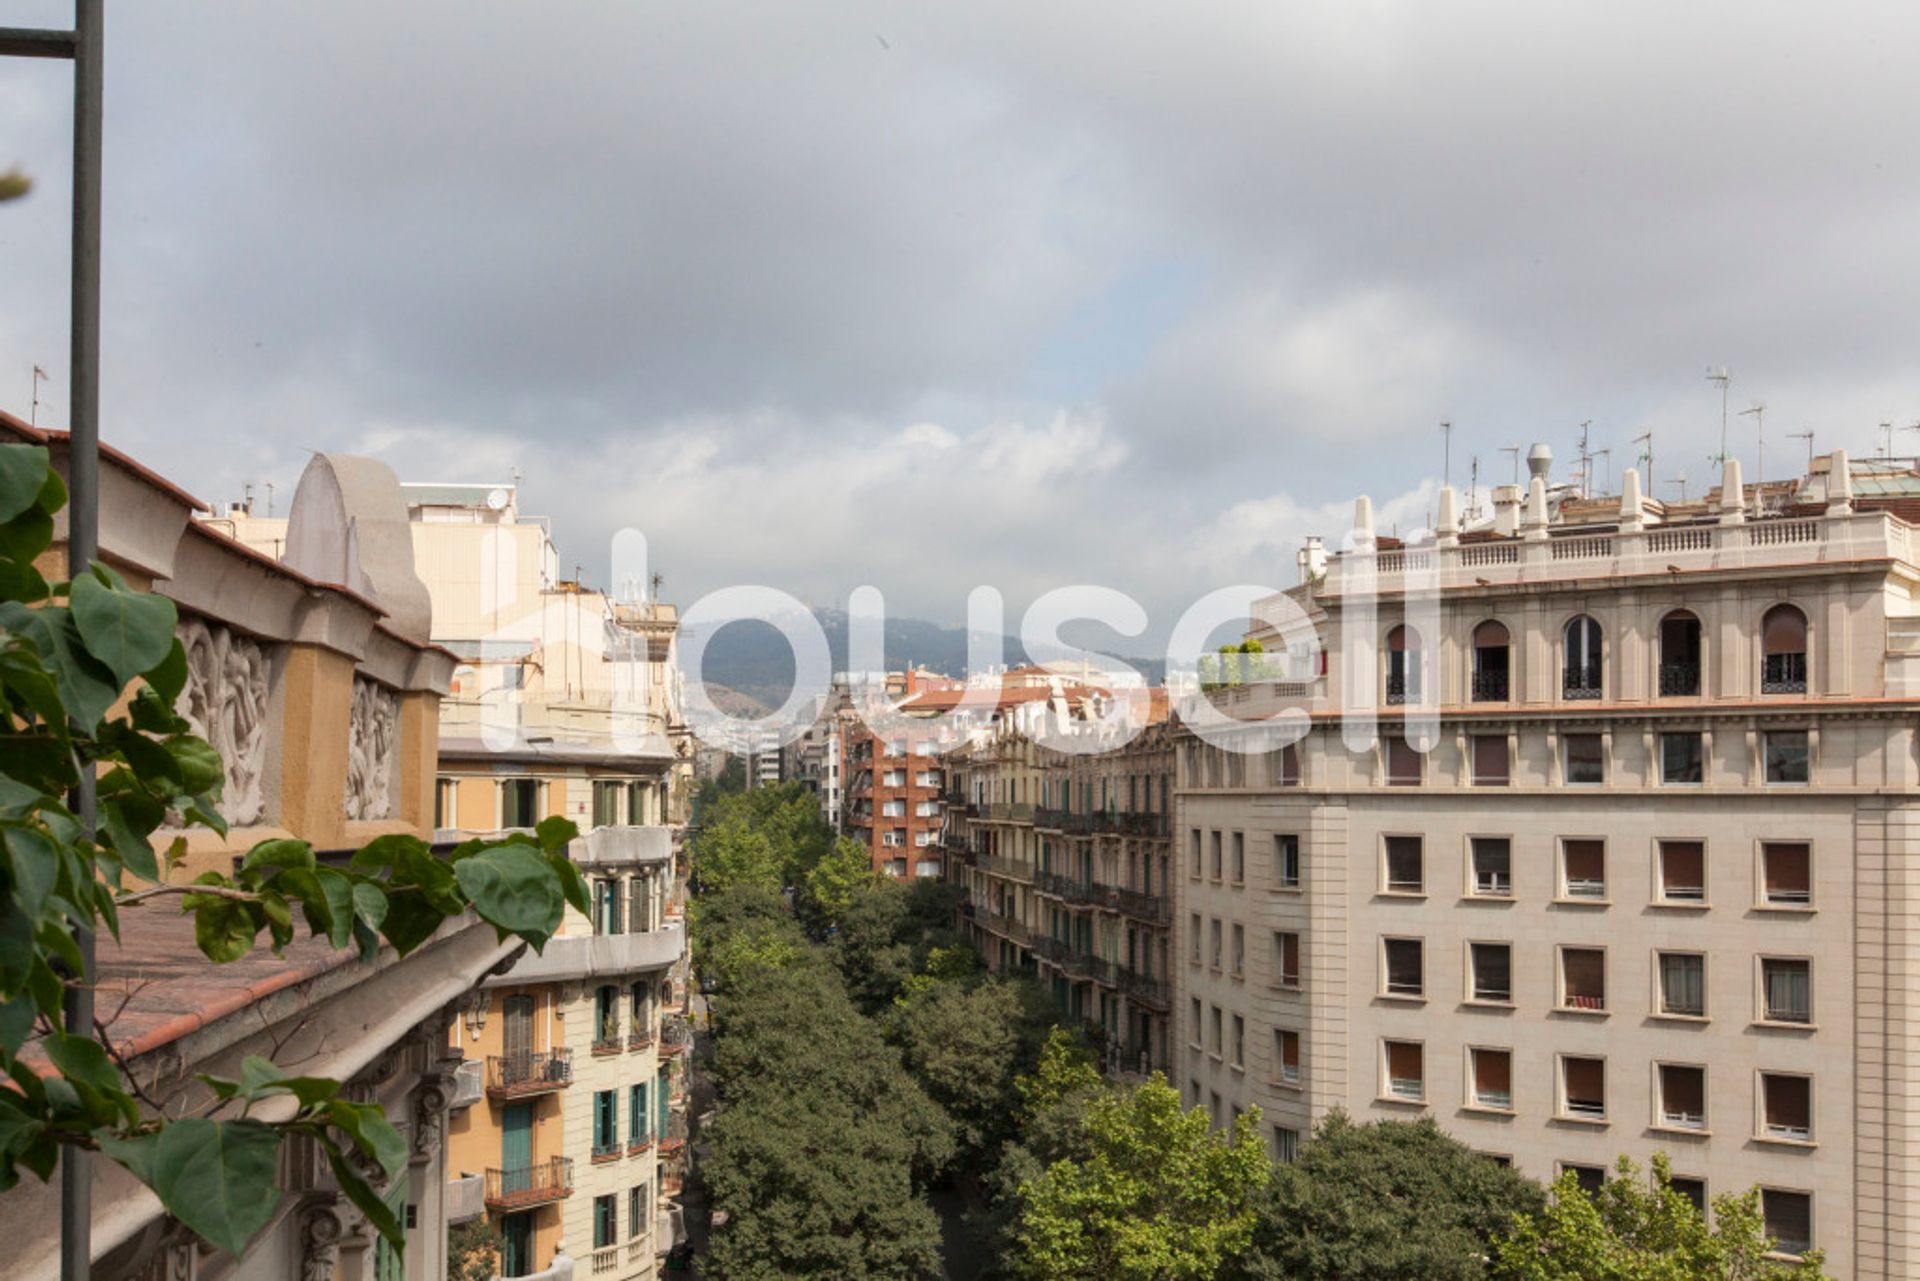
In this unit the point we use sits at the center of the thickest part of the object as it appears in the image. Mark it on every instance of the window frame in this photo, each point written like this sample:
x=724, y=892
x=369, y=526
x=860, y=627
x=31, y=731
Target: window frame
x=1560, y=993
x=1282, y=853
x=1762, y=901
x=1472, y=1079
x=1659, y=896
x=1566, y=759
x=1386, y=991
x=1812, y=1234
x=1658, y=1003
x=1387, y=1093
x=1761, y=1132
x=1762, y=1013
x=1767, y=778
x=1387, y=888
x=1661, y=1120
x=1700, y=739
x=1472, y=888
x=1563, y=894
x=1561, y=1109
x=1472, y=985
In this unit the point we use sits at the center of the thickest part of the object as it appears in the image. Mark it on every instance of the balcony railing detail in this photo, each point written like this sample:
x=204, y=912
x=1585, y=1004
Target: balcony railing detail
x=1580, y=682
x=1142, y=988
x=675, y=1034
x=1679, y=680
x=1784, y=674
x=536, y=1184
x=1490, y=687
x=534, y=1072
x=1143, y=906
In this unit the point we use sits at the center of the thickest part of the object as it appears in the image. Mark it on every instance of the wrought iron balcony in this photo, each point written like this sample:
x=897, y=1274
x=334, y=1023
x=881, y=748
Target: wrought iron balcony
x=1784, y=674
x=1580, y=682
x=1142, y=988
x=1679, y=680
x=511, y=1076
x=536, y=1184
x=1145, y=907
x=675, y=1035
x=1490, y=687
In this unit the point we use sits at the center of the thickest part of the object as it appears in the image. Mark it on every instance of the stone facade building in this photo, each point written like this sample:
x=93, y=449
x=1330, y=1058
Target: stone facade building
x=1630, y=865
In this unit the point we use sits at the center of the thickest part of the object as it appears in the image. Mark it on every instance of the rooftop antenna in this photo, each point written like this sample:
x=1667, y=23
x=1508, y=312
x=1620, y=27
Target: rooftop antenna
x=1886, y=433
x=39, y=376
x=1446, y=454
x=1586, y=460
x=246, y=498
x=1724, y=377
x=1911, y=427
x=1758, y=413
x=1646, y=455
x=1473, y=490
x=1606, y=477
x=1807, y=436
x=658, y=579
x=1515, y=451
x=269, y=500
x=1680, y=479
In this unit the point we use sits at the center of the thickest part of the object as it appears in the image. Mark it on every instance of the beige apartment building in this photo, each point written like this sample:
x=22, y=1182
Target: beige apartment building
x=565, y=702
x=1631, y=865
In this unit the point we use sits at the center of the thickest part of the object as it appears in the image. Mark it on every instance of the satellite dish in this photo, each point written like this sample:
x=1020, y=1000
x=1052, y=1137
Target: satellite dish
x=497, y=499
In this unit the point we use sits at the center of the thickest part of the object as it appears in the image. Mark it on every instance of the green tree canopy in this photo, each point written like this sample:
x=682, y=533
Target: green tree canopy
x=1159, y=1196
x=1393, y=1200
x=1635, y=1229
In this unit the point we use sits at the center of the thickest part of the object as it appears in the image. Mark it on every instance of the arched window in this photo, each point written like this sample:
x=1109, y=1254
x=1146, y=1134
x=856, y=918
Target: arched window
x=1403, y=666
x=1580, y=678
x=1783, y=642
x=1680, y=655
x=1491, y=666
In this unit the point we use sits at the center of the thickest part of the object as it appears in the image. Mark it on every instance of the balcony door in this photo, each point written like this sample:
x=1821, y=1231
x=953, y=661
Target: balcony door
x=516, y=1244
x=516, y=1140
x=517, y=1035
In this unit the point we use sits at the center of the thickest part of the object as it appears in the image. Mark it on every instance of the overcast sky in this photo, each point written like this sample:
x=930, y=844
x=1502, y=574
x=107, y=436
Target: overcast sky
x=929, y=296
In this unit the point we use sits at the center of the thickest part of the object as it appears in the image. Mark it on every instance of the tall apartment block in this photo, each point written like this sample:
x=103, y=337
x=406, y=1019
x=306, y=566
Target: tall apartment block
x=1632, y=863
x=570, y=1120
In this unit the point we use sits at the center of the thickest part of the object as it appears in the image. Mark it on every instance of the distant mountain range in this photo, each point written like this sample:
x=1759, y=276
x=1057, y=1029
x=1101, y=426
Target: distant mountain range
x=754, y=660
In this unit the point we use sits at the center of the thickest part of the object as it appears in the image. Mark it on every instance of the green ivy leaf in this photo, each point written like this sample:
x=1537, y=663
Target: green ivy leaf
x=331, y=911
x=364, y=1198
x=87, y=687
x=34, y=865
x=201, y=770
x=514, y=888
x=168, y=677
x=23, y=472
x=554, y=832
x=130, y=632
x=223, y=928
x=220, y=1178
x=369, y=904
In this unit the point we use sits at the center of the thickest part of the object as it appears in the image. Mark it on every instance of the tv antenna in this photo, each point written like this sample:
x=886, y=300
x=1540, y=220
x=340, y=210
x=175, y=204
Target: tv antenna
x=1807, y=436
x=1606, y=481
x=1473, y=490
x=39, y=376
x=1886, y=433
x=1645, y=456
x=1586, y=460
x=1680, y=479
x=1758, y=413
x=1724, y=377
x=1514, y=450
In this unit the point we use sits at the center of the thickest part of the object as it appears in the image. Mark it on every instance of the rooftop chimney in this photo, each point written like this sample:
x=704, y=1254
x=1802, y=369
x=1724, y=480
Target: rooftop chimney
x=1448, y=534
x=1506, y=510
x=1534, y=523
x=1312, y=559
x=1839, y=485
x=1363, y=521
x=1633, y=512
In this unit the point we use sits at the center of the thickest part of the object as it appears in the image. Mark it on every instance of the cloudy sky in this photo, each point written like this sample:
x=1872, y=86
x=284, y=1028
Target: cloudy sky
x=930, y=296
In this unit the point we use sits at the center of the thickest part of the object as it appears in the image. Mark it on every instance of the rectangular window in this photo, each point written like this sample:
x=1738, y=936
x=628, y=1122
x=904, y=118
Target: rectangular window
x=519, y=801
x=1583, y=868
x=1492, y=866
x=1239, y=950
x=1218, y=1022
x=1287, y=766
x=1403, y=764
x=1683, y=1096
x=1583, y=1088
x=1286, y=1054
x=1789, y=760
x=1286, y=1145
x=1286, y=958
x=1786, y=1106
x=1683, y=871
x=1682, y=758
x=606, y=803
x=636, y=1211
x=1217, y=859
x=1591, y=1178
x=1788, y=1219
x=1694, y=1190
x=637, y=1113
x=445, y=792
x=1197, y=1031
x=1786, y=990
x=1213, y=936
x=1239, y=1058
x=606, y=1122
x=1492, y=1078
x=1193, y=930
x=1786, y=873
x=1583, y=978
x=1195, y=843
x=1492, y=971
x=1586, y=759
x=606, y=1228
x=1286, y=860
x=1405, y=969
x=1490, y=764
x=1239, y=858
x=1404, y=873
x=1683, y=984
x=1406, y=1070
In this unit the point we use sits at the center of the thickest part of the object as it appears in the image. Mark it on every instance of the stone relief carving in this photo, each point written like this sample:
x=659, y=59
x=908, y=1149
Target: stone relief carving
x=226, y=703
x=371, y=745
x=320, y=1233
x=429, y=1117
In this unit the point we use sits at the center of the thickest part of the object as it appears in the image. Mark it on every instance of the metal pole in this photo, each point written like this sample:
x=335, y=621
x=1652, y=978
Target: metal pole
x=83, y=538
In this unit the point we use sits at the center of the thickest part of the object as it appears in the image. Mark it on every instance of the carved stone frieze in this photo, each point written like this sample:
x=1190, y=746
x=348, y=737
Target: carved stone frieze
x=226, y=703
x=372, y=743
x=320, y=1232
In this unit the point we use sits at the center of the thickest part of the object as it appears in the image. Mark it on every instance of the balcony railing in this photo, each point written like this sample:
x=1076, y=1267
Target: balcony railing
x=1679, y=680
x=1490, y=687
x=674, y=1139
x=534, y=1072
x=537, y=1184
x=1142, y=988
x=1145, y=907
x=675, y=1035
x=1784, y=674
x=1580, y=682
x=1131, y=1059
x=1066, y=887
